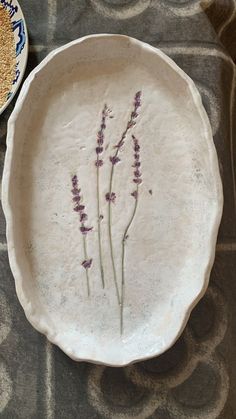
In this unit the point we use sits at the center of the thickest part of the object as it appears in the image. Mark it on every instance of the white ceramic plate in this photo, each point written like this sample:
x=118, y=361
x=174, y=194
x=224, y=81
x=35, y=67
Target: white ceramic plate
x=164, y=253
x=21, y=45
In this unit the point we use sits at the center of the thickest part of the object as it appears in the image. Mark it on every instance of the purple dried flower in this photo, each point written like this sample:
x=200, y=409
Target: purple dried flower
x=74, y=181
x=134, y=194
x=111, y=197
x=114, y=159
x=137, y=100
x=99, y=163
x=85, y=230
x=77, y=198
x=83, y=217
x=100, y=135
x=131, y=123
x=137, y=181
x=78, y=207
x=136, y=164
x=100, y=138
x=87, y=263
x=75, y=190
x=81, y=207
x=137, y=173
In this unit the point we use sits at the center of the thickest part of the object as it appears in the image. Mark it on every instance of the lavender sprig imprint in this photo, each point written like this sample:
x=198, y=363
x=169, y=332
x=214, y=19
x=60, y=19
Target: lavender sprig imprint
x=80, y=209
x=106, y=112
x=111, y=196
x=137, y=180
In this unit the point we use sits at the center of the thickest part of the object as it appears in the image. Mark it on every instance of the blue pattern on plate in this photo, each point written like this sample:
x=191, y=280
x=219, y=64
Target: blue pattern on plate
x=19, y=26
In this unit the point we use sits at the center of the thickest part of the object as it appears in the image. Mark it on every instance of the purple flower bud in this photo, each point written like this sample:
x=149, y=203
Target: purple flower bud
x=136, y=156
x=74, y=181
x=101, y=217
x=99, y=163
x=136, y=164
x=83, y=217
x=134, y=194
x=76, y=209
x=136, y=148
x=114, y=159
x=85, y=230
x=81, y=207
x=138, y=181
x=75, y=191
x=137, y=173
x=137, y=100
x=87, y=263
x=100, y=135
x=111, y=197
x=77, y=199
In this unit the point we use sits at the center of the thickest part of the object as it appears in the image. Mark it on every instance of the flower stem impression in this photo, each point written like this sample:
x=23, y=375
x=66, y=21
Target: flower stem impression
x=80, y=209
x=106, y=113
x=137, y=180
x=111, y=196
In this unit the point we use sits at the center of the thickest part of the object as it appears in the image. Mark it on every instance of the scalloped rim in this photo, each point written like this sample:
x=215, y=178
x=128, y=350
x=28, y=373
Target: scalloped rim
x=26, y=304
x=26, y=48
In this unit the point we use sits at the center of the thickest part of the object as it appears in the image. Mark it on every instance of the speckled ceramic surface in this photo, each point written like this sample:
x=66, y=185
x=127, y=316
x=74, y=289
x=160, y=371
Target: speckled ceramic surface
x=110, y=162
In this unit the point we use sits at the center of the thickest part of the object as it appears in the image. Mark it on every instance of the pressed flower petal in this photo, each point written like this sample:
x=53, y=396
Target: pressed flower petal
x=110, y=197
x=99, y=163
x=136, y=164
x=99, y=150
x=85, y=230
x=134, y=194
x=81, y=207
x=87, y=263
x=138, y=181
x=83, y=217
x=137, y=173
x=75, y=191
x=114, y=159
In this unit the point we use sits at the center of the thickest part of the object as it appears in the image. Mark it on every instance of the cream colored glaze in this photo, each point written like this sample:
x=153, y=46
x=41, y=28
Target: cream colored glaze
x=170, y=249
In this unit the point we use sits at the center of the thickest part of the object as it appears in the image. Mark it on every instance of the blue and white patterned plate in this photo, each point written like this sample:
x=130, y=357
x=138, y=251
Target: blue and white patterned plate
x=21, y=45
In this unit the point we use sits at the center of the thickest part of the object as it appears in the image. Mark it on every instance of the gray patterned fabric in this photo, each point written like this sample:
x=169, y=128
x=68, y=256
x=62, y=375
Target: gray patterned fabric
x=197, y=377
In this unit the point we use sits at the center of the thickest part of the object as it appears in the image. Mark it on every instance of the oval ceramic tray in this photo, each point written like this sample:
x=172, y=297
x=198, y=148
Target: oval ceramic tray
x=113, y=199
x=21, y=45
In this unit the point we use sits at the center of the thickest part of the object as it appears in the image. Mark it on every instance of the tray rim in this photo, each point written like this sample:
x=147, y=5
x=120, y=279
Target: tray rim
x=26, y=304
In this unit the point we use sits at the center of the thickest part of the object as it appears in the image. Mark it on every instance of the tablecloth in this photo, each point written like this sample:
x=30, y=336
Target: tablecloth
x=196, y=378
